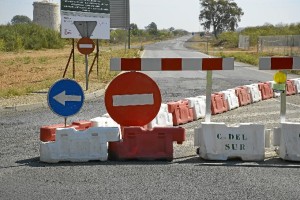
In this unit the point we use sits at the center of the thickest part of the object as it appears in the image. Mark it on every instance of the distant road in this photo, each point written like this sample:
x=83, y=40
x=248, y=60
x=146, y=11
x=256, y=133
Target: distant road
x=22, y=176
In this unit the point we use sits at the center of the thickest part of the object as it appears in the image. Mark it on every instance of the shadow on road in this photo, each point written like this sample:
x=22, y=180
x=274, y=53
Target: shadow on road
x=267, y=163
x=193, y=160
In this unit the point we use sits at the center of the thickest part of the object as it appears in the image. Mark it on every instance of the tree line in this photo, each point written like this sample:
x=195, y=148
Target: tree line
x=22, y=34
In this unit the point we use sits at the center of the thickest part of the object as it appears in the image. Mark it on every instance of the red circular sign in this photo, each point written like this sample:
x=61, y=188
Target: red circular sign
x=132, y=99
x=85, y=46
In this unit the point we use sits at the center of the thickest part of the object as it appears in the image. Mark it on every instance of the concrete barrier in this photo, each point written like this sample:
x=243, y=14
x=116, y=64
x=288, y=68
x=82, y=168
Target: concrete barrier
x=220, y=142
x=289, y=148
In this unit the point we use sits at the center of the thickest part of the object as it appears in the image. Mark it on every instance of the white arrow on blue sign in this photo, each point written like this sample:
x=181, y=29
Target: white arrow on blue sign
x=65, y=97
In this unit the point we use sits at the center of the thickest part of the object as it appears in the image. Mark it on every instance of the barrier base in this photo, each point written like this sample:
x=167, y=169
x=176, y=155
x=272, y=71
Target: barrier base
x=141, y=144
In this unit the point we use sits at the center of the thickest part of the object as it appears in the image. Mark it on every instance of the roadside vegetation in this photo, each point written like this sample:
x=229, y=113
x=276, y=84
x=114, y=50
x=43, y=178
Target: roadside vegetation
x=226, y=45
x=32, y=58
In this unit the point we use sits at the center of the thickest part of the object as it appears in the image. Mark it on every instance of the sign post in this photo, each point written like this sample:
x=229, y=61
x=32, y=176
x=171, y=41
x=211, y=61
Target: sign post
x=65, y=98
x=86, y=46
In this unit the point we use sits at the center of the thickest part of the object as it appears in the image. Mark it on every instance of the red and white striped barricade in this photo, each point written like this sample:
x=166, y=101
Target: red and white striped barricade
x=171, y=64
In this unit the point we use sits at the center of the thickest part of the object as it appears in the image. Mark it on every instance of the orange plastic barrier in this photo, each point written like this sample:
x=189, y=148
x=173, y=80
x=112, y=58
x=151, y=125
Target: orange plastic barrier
x=218, y=103
x=181, y=112
x=243, y=95
x=82, y=125
x=266, y=90
x=290, y=88
x=142, y=144
x=47, y=133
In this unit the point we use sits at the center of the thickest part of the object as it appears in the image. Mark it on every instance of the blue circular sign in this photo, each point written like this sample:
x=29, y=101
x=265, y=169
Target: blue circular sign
x=65, y=97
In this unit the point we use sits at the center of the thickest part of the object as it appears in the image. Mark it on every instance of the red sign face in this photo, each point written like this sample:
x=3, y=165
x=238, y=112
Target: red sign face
x=132, y=99
x=85, y=46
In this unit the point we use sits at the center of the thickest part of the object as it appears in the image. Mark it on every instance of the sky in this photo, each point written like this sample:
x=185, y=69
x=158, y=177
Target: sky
x=180, y=14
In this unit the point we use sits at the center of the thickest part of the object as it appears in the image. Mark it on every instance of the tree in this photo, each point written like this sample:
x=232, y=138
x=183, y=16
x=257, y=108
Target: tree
x=221, y=15
x=152, y=29
x=20, y=19
x=134, y=29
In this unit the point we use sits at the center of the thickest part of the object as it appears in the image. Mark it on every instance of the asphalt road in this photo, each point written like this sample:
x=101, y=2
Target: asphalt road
x=22, y=176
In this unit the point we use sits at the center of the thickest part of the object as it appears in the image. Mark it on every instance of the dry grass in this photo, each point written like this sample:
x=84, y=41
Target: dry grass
x=31, y=71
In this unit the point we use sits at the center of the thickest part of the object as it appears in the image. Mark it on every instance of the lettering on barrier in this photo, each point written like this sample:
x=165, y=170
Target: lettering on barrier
x=234, y=137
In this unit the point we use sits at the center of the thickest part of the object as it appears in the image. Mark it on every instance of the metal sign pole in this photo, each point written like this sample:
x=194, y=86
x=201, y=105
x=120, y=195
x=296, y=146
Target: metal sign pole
x=283, y=103
x=86, y=72
x=208, y=96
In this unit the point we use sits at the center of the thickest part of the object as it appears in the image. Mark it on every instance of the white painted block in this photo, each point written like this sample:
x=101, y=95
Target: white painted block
x=79, y=146
x=220, y=142
x=255, y=93
x=289, y=148
x=296, y=82
x=275, y=94
x=162, y=119
x=231, y=98
x=198, y=106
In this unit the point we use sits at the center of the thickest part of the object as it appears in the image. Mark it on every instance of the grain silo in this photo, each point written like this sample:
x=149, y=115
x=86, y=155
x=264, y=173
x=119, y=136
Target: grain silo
x=46, y=14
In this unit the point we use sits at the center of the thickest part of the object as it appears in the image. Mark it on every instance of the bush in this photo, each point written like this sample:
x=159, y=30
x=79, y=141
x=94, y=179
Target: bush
x=227, y=40
x=28, y=36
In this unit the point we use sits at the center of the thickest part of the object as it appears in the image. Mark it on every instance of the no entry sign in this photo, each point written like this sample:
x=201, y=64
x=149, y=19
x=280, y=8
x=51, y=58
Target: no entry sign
x=85, y=46
x=132, y=99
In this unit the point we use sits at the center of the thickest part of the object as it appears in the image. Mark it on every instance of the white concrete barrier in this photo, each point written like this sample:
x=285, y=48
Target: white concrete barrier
x=231, y=98
x=255, y=93
x=79, y=146
x=296, y=82
x=162, y=119
x=289, y=148
x=275, y=94
x=220, y=142
x=198, y=105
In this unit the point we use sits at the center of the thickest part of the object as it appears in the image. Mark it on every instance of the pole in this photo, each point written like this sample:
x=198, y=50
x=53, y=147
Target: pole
x=208, y=96
x=65, y=122
x=97, y=58
x=86, y=72
x=73, y=51
x=129, y=38
x=283, y=104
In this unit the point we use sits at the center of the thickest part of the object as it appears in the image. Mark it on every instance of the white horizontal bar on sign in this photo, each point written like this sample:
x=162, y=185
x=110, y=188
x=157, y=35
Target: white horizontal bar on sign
x=133, y=100
x=296, y=63
x=265, y=63
x=85, y=46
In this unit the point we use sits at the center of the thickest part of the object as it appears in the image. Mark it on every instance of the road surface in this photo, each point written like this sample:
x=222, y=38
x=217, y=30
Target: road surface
x=22, y=176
